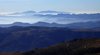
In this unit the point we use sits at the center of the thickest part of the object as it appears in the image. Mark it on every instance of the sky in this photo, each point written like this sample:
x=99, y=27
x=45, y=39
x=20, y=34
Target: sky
x=74, y=6
x=70, y=6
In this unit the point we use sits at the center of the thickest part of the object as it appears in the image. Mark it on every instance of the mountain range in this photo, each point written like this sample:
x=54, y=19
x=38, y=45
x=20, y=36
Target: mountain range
x=50, y=28
x=56, y=14
x=78, y=25
x=37, y=13
x=48, y=16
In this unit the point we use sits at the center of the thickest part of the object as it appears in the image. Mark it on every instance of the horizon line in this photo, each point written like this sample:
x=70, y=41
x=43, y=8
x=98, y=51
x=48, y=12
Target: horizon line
x=4, y=13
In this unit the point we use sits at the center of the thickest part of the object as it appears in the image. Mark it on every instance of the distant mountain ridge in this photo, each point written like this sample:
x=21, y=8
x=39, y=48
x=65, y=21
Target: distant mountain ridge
x=58, y=14
x=36, y=13
x=15, y=24
x=85, y=25
x=78, y=25
x=49, y=16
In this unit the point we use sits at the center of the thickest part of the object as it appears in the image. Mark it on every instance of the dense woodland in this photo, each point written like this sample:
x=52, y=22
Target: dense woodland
x=74, y=47
x=48, y=41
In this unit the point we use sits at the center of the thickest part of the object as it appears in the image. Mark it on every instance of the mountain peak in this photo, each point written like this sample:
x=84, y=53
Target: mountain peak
x=50, y=11
x=20, y=24
x=41, y=23
x=29, y=12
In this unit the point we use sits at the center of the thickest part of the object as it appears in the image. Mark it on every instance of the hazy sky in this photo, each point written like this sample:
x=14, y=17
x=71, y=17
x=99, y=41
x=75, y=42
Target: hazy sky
x=76, y=6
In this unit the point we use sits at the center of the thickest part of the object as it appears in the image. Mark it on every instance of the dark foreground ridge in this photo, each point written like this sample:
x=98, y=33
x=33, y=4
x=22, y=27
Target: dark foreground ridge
x=34, y=40
x=28, y=38
x=74, y=47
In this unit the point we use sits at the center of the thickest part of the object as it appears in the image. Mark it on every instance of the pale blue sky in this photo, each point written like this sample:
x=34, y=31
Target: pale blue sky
x=76, y=6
